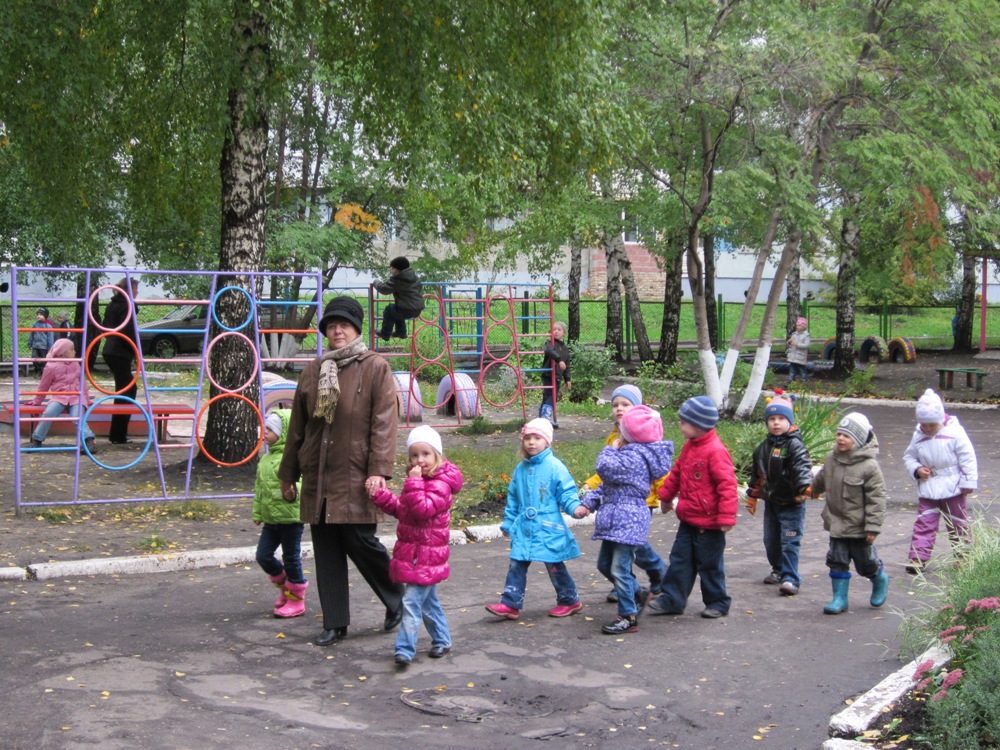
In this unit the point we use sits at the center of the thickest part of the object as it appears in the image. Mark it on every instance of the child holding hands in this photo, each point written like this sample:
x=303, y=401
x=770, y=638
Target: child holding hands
x=942, y=460
x=540, y=491
x=420, y=556
x=627, y=467
x=854, y=510
x=704, y=482
x=623, y=398
x=280, y=520
x=781, y=476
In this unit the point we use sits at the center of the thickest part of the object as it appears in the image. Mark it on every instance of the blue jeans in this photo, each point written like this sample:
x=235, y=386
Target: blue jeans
x=783, y=526
x=54, y=409
x=614, y=562
x=421, y=604
x=696, y=552
x=517, y=578
x=797, y=372
x=289, y=537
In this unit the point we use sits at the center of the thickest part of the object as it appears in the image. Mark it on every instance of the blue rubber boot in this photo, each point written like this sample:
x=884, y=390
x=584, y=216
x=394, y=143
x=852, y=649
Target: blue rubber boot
x=841, y=583
x=880, y=587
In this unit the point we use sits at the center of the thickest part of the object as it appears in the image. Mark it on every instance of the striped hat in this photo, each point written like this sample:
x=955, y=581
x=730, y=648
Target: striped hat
x=699, y=411
x=630, y=392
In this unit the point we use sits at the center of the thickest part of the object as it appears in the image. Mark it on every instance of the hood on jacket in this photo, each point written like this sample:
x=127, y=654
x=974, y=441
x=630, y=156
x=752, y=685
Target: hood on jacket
x=659, y=456
x=62, y=349
x=450, y=474
x=286, y=418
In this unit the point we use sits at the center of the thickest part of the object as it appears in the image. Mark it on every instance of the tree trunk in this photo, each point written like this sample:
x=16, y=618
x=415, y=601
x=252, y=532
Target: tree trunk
x=711, y=306
x=793, y=298
x=967, y=304
x=847, y=273
x=233, y=426
x=575, y=272
x=632, y=304
x=673, y=293
x=613, y=336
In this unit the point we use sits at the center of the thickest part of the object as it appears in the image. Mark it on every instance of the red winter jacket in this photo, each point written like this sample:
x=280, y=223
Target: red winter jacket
x=423, y=509
x=704, y=480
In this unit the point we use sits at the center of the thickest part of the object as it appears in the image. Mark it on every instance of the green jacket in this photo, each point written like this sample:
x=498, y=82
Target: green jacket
x=855, y=491
x=268, y=504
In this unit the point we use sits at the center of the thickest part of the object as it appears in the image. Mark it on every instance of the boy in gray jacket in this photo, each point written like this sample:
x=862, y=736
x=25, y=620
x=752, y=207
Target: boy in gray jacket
x=854, y=510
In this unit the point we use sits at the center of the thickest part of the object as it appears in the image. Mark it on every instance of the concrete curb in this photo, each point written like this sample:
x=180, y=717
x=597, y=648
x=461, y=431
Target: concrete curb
x=867, y=710
x=13, y=574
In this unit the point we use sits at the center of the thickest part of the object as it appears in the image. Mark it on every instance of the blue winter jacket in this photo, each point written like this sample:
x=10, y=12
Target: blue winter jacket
x=626, y=476
x=540, y=491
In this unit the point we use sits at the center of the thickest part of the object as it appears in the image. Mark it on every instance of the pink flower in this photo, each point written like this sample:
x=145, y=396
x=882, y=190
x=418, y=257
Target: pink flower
x=940, y=695
x=990, y=603
x=923, y=668
x=922, y=685
x=952, y=678
x=952, y=631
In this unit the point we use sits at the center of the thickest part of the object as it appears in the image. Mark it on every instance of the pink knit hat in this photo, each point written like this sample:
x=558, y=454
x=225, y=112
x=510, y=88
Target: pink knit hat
x=640, y=424
x=801, y=322
x=540, y=427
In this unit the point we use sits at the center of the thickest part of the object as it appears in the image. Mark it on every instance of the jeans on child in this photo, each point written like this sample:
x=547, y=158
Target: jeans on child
x=289, y=537
x=797, y=372
x=614, y=562
x=54, y=409
x=696, y=553
x=517, y=579
x=783, y=525
x=421, y=604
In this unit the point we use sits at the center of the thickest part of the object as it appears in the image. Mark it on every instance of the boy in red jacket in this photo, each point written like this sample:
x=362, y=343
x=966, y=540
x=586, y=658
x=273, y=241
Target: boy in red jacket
x=704, y=481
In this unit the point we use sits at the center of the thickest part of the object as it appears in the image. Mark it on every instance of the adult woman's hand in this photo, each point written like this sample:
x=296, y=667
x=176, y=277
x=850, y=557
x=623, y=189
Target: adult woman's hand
x=374, y=484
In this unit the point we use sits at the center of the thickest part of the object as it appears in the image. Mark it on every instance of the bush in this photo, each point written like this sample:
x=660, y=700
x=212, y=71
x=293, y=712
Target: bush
x=590, y=368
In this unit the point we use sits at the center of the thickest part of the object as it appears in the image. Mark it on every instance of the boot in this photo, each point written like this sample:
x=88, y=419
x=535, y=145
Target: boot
x=279, y=581
x=296, y=604
x=880, y=587
x=841, y=582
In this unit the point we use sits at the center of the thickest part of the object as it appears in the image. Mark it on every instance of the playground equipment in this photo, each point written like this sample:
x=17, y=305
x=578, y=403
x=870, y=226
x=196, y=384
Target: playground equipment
x=471, y=335
x=873, y=345
x=901, y=349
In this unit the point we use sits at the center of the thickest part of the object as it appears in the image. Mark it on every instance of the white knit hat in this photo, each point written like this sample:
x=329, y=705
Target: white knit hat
x=930, y=408
x=857, y=427
x=273, y=423
x=425, y=434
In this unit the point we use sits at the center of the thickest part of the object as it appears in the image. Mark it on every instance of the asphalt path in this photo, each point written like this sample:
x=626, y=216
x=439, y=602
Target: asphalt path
x=194, y=659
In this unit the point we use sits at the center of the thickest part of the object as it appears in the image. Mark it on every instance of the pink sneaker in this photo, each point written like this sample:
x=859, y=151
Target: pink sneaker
x=502, y=610
x=565, y=610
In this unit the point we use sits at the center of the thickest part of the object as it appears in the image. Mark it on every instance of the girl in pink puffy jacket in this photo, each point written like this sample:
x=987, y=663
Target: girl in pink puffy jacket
x=420, y=557
x=61, y=383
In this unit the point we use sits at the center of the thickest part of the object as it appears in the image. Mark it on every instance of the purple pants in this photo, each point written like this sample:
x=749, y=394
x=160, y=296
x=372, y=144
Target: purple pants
x=929, y=514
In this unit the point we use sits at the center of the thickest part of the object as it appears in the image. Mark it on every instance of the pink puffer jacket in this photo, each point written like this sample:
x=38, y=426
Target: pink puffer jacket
x=424, y=512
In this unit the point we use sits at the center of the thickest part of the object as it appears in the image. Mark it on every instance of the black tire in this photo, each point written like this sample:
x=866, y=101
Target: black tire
x=165, y=347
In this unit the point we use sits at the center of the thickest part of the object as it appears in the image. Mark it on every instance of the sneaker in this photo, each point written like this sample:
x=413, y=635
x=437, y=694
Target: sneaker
x=914, y=567
x=613, y=596
x=655, y=608
x=437, y=652
x=713, y=614
x=564, y=610
x=91, y=445
x=502, y=610
x=620, y=626
x=773, y=578
x=402, y=660
x=788, y=588
x=35, y=444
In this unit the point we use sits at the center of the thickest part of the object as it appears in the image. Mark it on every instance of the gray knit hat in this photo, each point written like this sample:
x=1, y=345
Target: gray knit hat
x=857, y=427
x=699, y=411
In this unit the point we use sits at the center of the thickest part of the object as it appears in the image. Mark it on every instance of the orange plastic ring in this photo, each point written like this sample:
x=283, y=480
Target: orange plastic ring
x=260, y=421
x=90, y=375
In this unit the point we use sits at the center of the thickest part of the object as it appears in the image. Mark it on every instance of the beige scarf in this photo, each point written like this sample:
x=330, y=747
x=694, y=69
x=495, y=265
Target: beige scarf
x=328, y=387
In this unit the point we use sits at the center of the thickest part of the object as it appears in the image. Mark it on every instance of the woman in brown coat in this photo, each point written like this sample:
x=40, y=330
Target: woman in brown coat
x=341, y=441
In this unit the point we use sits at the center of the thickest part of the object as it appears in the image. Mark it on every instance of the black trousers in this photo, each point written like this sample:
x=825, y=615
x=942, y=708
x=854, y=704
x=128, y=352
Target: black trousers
x=333, y=544
x=121, y=369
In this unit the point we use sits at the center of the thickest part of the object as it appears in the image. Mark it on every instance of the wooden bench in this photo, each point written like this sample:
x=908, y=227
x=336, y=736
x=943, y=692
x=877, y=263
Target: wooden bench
x=946, y=376
x=100, y=421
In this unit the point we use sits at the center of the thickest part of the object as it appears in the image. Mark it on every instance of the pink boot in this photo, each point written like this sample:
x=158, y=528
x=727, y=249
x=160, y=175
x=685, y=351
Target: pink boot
x=296, y=604
x=279, y=581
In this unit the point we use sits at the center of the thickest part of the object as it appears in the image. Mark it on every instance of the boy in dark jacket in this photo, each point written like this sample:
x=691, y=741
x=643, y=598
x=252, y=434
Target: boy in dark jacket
x=408, y=298
x=555, y=368
x=781, y=476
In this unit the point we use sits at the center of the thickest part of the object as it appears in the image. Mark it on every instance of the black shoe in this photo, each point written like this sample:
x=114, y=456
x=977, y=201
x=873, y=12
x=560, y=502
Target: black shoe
x=35, y=444
x=654, y=607
x=642, y=597
x=123, y=441
x=399, y=335
x=402, y=660
x=91, y=445
x=713, y=614
x=437, y=652
x=613, y=596
x=624, y=624
x=392, y=619
x=329, y=637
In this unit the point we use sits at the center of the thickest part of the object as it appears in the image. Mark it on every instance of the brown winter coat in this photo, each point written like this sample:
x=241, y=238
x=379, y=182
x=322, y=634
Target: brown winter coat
x=334, y=460
x=855, y=491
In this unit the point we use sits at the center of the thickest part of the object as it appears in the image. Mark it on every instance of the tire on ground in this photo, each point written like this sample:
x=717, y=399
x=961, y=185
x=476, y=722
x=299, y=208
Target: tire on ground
x=462, y=399
x=407, y=403
x=901, y=349
x=873, y=345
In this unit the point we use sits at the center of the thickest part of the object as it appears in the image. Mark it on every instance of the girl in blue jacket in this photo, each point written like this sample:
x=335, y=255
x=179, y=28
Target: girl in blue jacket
x=540, y=491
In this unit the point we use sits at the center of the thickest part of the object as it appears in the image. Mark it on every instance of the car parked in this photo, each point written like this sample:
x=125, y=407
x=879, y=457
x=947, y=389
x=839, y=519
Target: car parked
x=181, y=331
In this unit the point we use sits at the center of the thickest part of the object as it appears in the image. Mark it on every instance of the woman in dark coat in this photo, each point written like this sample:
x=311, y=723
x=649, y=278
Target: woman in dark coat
x=119, y=354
